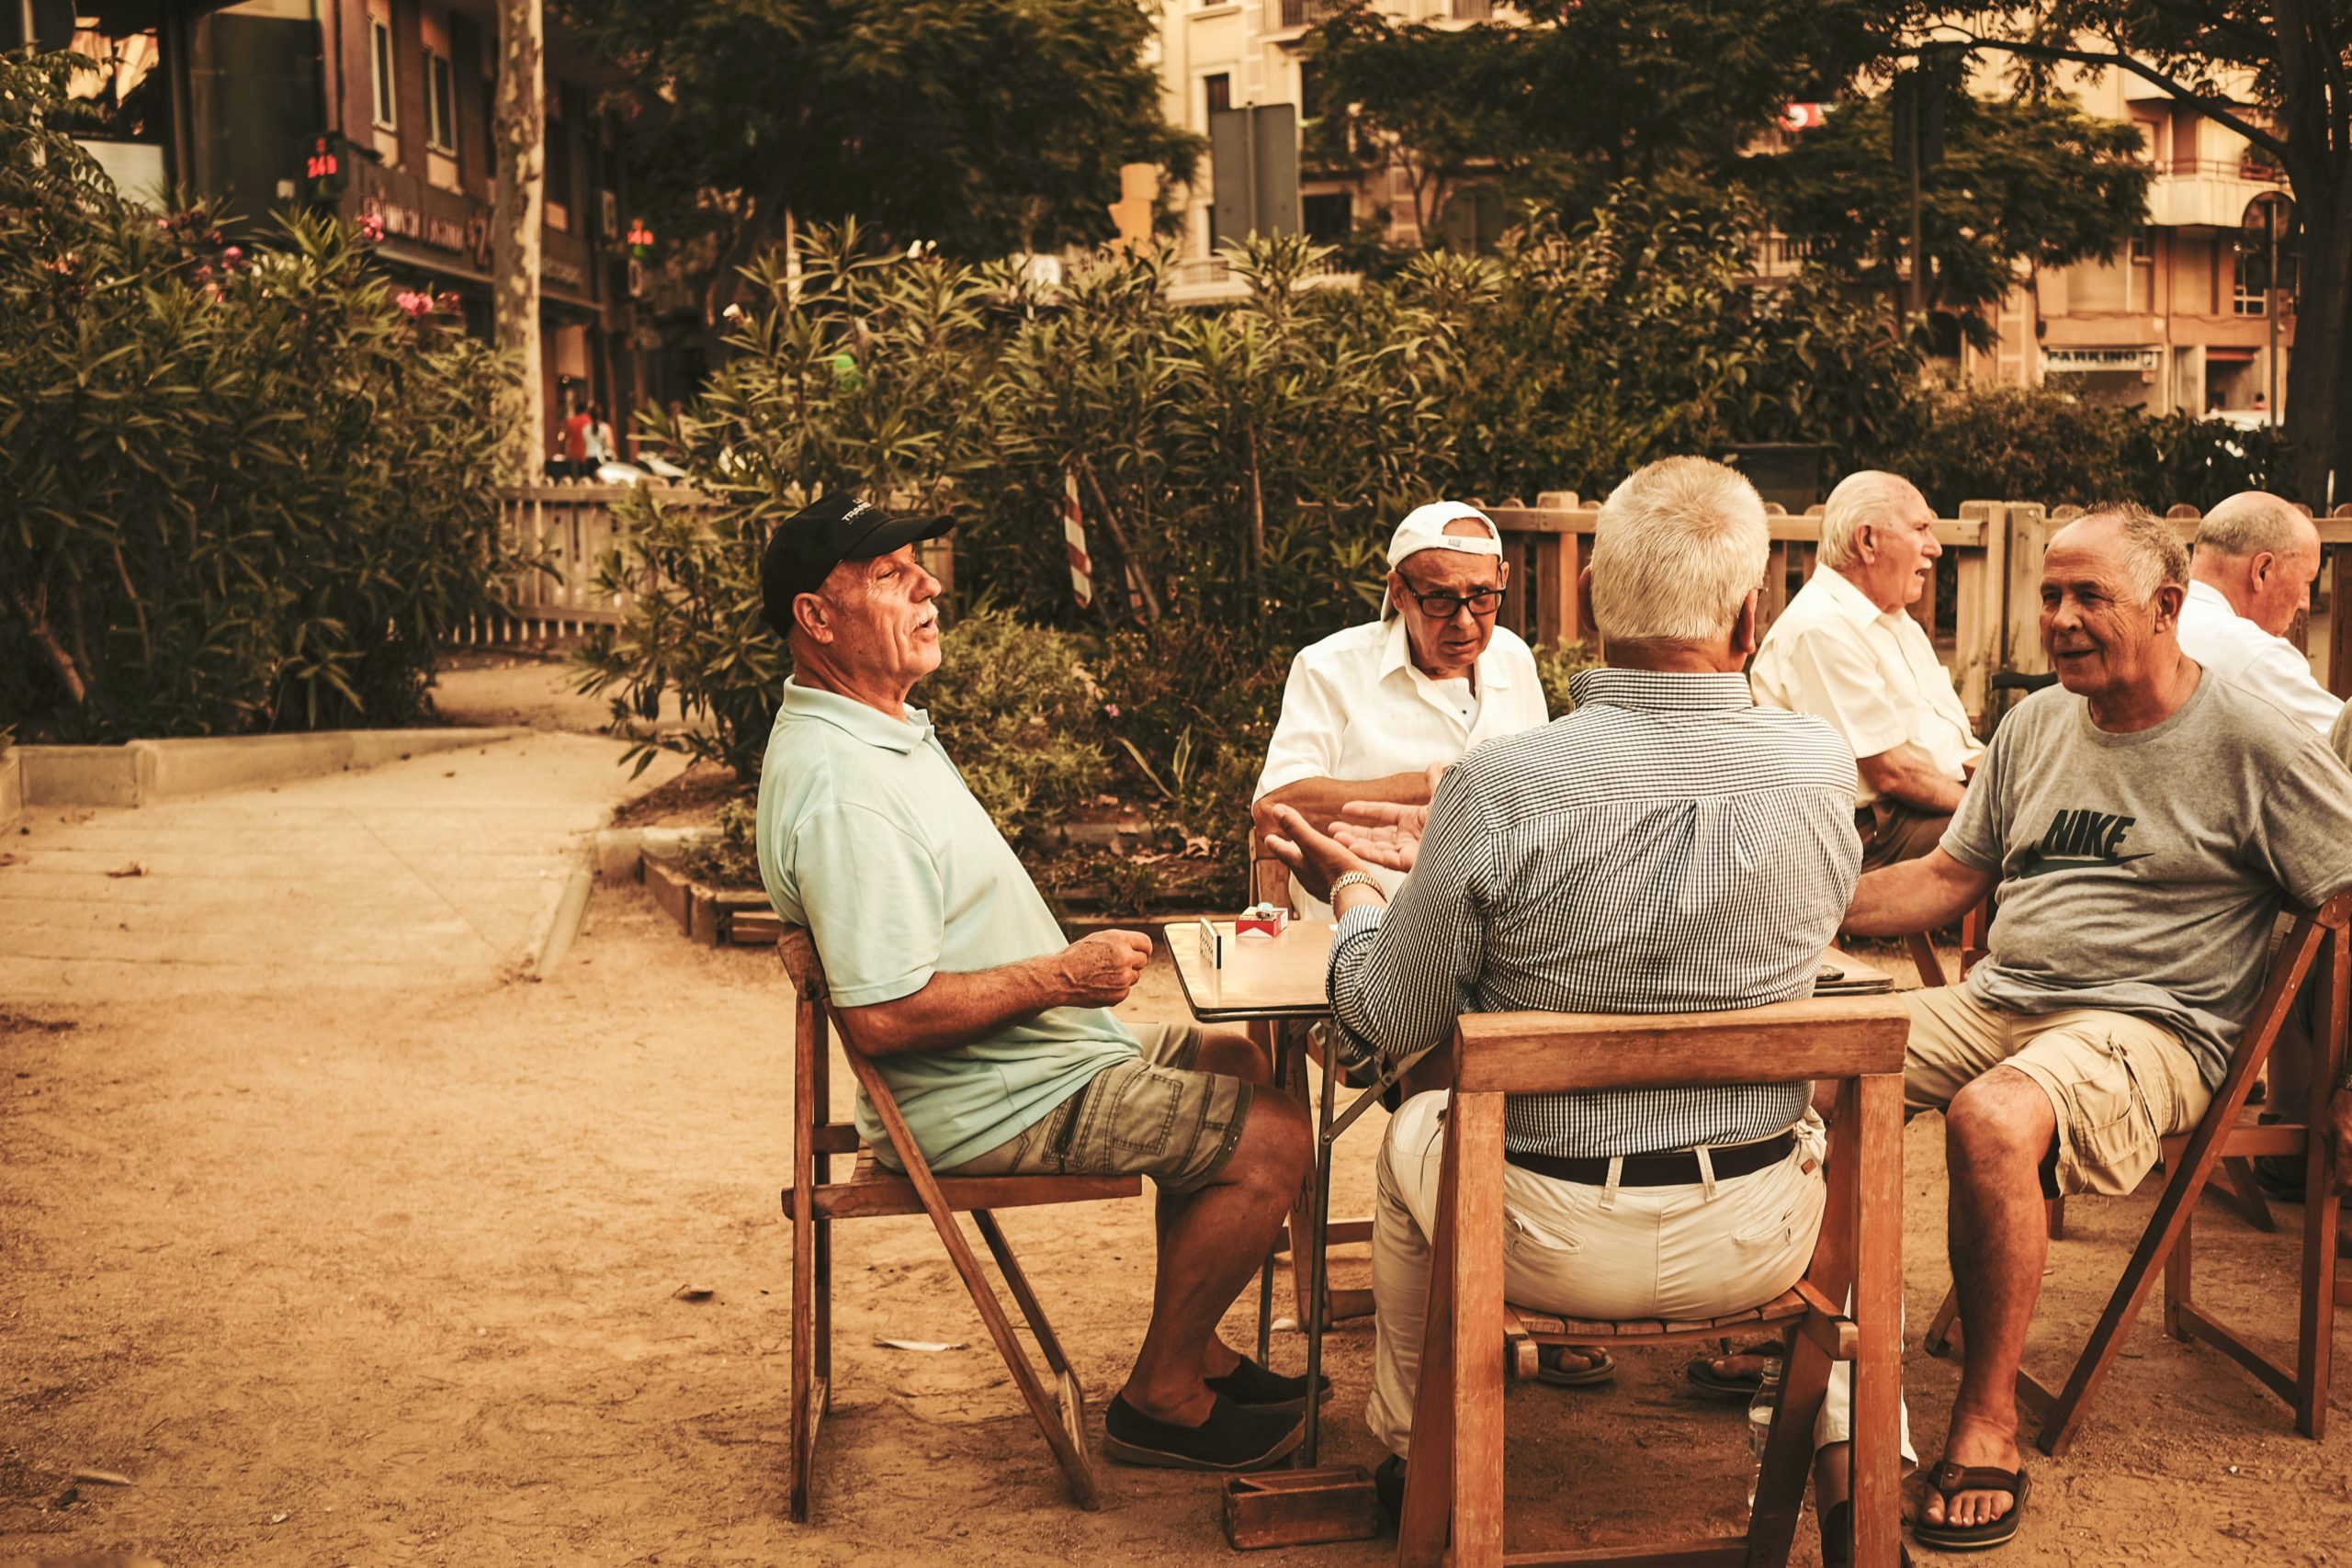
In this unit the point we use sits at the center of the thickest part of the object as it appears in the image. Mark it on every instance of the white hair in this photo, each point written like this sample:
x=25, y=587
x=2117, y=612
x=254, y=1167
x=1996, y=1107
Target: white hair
x=1677, y=549
x=1868, y=499
x=2153, y=553
x=2254, y=522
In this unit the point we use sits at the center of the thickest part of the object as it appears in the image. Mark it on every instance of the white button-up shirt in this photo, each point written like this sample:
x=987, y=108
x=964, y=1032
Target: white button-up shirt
x=1870, y=672
x=2241, y=653
x=1358, y=707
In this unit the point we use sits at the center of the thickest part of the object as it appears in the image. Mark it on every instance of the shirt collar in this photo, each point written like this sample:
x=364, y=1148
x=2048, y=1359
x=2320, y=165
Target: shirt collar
x=1396, y=653
x=1849, y=601
x=1661, y=690
x=855, y=719
x=2206, y=593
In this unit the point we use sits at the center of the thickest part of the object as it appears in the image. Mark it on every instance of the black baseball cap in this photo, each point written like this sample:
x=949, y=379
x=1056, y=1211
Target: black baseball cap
x=806, y=546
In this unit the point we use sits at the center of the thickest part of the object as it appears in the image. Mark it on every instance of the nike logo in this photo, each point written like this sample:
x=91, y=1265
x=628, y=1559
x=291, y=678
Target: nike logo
x=2047, y=866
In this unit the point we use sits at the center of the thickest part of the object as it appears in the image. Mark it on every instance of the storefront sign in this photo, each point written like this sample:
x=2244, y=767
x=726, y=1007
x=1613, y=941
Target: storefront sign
x=2077, y=359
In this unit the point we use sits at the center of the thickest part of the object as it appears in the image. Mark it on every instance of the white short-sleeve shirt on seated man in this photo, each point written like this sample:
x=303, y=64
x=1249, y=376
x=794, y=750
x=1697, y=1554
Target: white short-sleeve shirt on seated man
x=1375, y=706
x=2250, y=577
x=1848, y=650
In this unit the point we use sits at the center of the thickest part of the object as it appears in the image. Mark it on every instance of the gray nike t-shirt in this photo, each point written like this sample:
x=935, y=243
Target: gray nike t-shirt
x=2141, y=873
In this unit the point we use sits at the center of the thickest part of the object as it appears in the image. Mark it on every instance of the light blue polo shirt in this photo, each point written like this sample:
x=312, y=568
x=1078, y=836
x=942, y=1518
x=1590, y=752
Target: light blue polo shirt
x=868, y=837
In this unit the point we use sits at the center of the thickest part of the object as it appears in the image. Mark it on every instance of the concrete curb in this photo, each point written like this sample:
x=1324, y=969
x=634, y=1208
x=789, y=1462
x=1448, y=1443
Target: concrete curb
x=564, y=924
x=618, y=851
x=144, y=773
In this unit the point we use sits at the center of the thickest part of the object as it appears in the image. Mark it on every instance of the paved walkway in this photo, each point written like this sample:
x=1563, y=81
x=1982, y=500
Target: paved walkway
x=447, y=866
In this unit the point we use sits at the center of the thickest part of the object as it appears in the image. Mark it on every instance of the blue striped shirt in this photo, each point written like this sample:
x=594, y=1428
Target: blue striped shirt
x=1667, y=847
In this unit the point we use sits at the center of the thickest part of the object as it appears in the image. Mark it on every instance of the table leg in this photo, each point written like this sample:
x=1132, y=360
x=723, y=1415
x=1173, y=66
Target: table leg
x=1317, y=1271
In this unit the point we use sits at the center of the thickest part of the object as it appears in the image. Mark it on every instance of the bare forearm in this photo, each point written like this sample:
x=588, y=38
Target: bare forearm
x=1319, y=800
x=1906, y=774
x=955, y=1009
x=1915, y=895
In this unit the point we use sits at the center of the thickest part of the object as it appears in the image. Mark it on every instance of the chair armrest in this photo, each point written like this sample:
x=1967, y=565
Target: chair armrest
x=1817, y=1037
x=797, y=950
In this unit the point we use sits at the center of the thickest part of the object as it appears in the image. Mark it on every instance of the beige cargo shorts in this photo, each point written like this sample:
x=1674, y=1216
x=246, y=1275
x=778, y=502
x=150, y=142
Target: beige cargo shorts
x=2119, y=1084
x=1154, y=1116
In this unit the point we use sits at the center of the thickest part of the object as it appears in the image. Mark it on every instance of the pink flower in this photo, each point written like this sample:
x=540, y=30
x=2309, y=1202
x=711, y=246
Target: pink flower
x=1111, y=709
x=231, y=256
x=415, y=304
x=371, y=227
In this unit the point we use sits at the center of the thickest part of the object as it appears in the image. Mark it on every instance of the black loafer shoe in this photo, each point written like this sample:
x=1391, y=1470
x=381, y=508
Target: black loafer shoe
x=1254, y=1387
x=1231, y=1439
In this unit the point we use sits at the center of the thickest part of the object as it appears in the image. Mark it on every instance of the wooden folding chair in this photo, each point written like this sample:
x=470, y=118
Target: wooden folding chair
x=1454, y=1483
x=2318, y=937
x=815, y=1201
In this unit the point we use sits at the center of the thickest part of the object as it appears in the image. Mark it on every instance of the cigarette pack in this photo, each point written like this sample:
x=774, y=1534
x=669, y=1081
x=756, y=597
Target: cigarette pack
x=1261, y=920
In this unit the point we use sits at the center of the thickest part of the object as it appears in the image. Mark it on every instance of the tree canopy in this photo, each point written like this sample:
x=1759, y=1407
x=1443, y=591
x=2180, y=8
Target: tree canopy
x=1590, y=93
x=984, y=126
x=2032, y=181
x=2278, y=72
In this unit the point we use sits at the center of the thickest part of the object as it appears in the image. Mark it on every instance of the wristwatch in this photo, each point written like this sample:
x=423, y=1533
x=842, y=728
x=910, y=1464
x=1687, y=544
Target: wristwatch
x=1355, y=879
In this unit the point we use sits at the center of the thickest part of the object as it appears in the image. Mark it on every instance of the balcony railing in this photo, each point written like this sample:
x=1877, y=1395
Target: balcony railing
x=1308, y=13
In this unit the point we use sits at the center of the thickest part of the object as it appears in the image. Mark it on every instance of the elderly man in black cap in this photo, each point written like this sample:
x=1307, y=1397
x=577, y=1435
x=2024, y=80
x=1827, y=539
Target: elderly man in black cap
x=992, y=1030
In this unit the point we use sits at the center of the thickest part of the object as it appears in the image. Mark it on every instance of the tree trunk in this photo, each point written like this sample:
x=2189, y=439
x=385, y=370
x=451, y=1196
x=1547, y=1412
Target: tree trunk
x=520, y=130
x=2322, y=353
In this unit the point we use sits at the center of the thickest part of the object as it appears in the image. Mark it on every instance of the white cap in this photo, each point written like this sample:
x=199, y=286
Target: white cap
x=1424, y=529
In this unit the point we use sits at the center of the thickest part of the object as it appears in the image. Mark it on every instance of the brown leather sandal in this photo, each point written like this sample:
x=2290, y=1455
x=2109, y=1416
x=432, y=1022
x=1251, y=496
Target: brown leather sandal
x=1950, y=1480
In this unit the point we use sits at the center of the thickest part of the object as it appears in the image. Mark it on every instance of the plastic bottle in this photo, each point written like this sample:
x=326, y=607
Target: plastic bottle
x=1761, y=1407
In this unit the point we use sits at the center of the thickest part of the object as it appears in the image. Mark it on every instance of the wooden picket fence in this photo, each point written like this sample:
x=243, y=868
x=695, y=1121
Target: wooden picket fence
x=1983, y=615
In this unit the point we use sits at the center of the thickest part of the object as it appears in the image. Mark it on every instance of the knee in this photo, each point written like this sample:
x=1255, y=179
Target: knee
x=1279, y=1144
x=2002, y=1118
x=1234, y=1054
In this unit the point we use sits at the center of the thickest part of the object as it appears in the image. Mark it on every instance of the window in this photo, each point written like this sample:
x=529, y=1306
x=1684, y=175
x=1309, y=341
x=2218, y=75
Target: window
x=2250, y=290
x=2143, y=248
x=1473, y=10
x=380, y=45
x=1219, y=90
x=440, y=104
x=1310, y=89
x=1328, y=218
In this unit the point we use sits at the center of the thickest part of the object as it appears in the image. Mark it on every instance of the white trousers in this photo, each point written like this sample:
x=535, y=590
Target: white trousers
x=1699, y=1250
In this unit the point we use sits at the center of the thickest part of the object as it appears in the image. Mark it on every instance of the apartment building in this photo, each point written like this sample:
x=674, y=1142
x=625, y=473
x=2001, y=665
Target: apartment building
x=2182, y=316
x=375, y=108
x=1220, y=54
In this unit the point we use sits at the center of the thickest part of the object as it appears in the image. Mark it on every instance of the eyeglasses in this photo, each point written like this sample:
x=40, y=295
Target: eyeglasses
x=1480, y=601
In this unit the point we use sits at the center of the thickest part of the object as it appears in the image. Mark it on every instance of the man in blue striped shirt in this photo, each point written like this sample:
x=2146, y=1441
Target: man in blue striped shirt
x=1667, y=847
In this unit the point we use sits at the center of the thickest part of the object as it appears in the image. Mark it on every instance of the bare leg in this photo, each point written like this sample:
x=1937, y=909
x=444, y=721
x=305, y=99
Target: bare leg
x=1211, y=1244
x=1996, y=1135
x=1236, y=1056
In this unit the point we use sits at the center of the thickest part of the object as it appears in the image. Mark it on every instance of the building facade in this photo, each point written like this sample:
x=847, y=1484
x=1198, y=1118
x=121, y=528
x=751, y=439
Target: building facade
x=2183, y=317
x=1242, y=53
x=375, y=109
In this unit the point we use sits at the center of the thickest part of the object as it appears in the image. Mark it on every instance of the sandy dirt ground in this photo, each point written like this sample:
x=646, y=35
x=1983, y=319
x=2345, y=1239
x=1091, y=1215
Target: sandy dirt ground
x=385, y=1275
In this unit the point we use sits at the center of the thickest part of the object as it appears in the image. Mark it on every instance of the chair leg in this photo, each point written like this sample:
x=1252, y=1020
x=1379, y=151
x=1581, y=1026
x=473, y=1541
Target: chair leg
x=808, y=1393
x=1940, y=1327
x=1788, y=1452
x=2054, y=1217
x=1925, y=958
x=822, y=1235
x=1062, y=1422
x=2238, y=1188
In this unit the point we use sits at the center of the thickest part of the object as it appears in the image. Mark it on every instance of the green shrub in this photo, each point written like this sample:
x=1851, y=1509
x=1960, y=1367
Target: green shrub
x=1018, y=715
x=2045, y=445
x=1555, y=667
x=237, y=493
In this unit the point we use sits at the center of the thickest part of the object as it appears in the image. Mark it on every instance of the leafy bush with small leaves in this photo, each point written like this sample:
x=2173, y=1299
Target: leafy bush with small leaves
x=1018, y=714
x=237, y=492
x=1557, y=667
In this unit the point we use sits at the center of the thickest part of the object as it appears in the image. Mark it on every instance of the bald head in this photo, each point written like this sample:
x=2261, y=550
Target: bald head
x=2260, y=553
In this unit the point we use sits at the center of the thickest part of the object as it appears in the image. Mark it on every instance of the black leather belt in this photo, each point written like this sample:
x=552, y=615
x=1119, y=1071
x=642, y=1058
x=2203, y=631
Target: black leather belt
x=1678, y=1170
